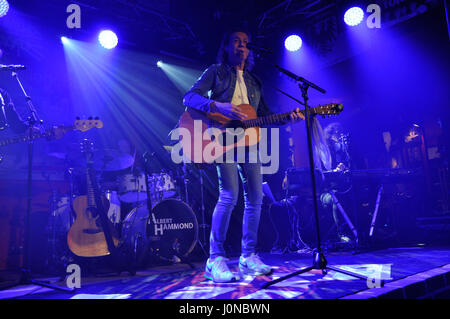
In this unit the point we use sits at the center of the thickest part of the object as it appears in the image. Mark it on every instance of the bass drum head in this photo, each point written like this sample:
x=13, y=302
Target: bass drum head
x=172, y=229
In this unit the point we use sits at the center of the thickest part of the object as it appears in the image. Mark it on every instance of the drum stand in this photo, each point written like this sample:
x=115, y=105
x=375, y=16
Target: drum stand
x=201, y=241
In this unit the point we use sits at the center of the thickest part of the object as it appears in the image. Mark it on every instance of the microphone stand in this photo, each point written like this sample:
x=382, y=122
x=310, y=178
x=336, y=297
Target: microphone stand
x=203, y=225
x=319, y=260
x=26, y=277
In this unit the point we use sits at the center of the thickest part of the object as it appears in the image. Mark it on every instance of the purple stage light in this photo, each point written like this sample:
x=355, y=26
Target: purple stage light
x=4, y=7
x=354, y=16
x=293, y=42
x=108, y=39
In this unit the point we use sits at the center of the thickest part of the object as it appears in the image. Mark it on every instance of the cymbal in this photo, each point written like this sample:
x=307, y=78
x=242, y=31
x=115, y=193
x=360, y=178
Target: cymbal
x=104, y=160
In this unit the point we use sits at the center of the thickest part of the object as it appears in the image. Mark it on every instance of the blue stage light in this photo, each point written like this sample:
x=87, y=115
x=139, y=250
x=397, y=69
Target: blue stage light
x=4, y=7
x=108, y=39
x=293, y=42
x=159, y=64
x=354, y=16
x=64, y=40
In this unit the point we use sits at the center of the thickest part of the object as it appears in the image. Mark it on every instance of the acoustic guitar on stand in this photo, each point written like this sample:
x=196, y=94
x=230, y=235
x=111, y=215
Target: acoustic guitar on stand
x=92, y=233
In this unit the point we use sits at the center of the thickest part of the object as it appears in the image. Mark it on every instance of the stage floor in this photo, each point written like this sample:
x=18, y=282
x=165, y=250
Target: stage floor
x=181, y=281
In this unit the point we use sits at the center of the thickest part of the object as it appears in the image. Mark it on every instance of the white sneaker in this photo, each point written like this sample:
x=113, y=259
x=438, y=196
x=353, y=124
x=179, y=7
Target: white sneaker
x=253, y=265
x=217, y=270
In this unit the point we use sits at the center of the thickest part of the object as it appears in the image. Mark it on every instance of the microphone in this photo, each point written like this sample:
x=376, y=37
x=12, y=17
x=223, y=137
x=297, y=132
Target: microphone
x=255, y=47
x=11, y=67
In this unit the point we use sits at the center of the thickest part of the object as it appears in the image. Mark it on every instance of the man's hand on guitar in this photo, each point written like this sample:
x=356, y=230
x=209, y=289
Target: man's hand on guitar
x=296, y=115
x=229, y=110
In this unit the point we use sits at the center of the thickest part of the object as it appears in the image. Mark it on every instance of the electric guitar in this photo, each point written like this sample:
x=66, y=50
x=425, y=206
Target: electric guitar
x=211, y=135
x=92, y=233
x=55, y=132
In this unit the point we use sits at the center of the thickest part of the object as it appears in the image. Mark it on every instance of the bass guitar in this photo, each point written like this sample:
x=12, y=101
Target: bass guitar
x=55, y=132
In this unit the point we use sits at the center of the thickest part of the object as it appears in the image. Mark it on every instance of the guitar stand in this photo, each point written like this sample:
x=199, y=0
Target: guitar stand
x=319, y=260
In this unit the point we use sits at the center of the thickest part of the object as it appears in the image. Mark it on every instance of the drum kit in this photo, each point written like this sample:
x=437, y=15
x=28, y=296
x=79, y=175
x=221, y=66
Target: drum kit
x=159, y=225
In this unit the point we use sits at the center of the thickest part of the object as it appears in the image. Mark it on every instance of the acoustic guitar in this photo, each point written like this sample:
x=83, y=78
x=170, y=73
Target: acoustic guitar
x=92, y=233
x=210, y=132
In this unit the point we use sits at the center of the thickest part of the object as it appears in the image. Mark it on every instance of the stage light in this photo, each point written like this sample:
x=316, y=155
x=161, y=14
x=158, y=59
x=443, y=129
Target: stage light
x=4, y=7
x=108, y=39
x=293, y=42
x=64, y=40
x=354, y=16
x=159, y=64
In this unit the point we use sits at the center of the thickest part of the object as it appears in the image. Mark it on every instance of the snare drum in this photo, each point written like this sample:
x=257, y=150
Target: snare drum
x=132, y=188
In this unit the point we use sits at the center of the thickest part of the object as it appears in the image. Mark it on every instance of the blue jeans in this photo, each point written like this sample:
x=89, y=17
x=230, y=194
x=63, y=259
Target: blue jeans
x=251, y=177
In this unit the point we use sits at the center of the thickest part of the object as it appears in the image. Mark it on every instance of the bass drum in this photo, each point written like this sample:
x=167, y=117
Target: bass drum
x=172, y=230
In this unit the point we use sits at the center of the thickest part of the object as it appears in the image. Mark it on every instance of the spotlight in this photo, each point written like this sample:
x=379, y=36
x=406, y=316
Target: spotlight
x=354, y=16
x=293, y=42
x=64, y=40
x=4, y=7
x=159, y=64
x=108, y=39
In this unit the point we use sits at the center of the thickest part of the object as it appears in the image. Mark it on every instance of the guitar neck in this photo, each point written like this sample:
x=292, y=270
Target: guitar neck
x=34, y=136
x=281, y=118
x=269, y=119
x=90, y=187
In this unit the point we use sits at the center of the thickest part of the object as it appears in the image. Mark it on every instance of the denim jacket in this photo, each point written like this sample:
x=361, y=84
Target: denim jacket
x=220, y=79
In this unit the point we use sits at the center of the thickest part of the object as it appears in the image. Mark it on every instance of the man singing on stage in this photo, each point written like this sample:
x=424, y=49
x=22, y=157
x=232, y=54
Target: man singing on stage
x=232, y=83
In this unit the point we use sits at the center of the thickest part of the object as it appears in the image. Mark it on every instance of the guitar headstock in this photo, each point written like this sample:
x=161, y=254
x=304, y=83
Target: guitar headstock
x=329, y=109
x=86, y=125
x=87, y=148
